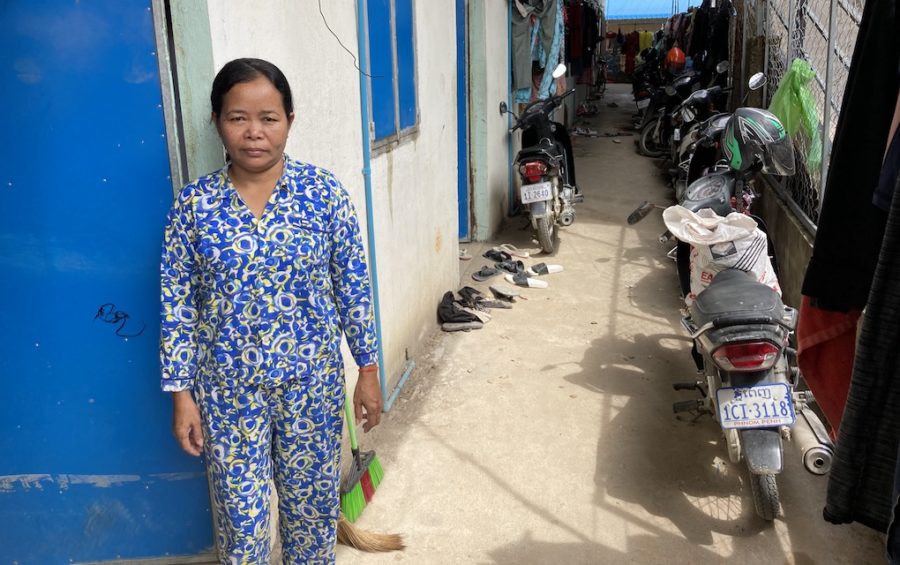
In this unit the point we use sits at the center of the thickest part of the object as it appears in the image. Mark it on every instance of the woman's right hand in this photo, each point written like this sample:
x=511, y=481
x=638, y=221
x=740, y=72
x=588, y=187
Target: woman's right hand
x=186, y=422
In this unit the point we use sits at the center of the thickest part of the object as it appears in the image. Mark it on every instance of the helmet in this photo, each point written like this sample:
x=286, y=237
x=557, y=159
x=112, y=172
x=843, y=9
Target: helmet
x=675, y=59
x=756, y=136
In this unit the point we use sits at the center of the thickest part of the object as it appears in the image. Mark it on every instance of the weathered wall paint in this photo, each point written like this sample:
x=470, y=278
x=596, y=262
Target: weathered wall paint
x=489, y=72
x=195, y=70
x=414, y=182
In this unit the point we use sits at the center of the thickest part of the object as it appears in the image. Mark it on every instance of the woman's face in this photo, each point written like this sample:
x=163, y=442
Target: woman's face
x=253, y=125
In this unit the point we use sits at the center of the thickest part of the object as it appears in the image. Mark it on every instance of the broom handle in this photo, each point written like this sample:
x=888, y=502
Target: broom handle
x=351, y=423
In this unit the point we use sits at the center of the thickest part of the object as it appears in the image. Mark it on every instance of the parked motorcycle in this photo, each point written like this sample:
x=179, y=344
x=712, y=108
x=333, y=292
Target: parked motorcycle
x=662, y=123
x=546, y=166
x=741, y=328
x=696, y=147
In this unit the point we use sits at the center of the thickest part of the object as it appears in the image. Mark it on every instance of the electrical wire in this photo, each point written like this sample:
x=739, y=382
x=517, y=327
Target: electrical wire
x=341, y=43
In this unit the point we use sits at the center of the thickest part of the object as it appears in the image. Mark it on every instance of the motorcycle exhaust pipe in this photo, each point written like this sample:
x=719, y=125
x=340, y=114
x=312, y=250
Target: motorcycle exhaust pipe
x=816, y=448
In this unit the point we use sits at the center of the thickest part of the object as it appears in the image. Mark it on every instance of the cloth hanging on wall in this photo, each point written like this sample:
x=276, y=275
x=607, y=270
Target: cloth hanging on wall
x=542, y=84
x=850, y=241
x=541, y=13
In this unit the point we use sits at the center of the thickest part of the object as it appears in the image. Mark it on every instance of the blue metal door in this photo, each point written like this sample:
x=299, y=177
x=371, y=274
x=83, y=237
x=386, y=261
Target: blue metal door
x=88, y=467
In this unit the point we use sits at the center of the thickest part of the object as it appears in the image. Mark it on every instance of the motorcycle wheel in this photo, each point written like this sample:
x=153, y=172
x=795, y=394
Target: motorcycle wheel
x=649, y=146
x=765, y=496
x=545, y=234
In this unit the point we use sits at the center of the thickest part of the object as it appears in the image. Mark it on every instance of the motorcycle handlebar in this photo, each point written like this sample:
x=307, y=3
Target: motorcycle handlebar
x=553, y=101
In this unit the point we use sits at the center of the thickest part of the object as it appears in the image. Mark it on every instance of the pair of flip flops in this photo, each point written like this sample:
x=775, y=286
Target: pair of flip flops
x=525, y=278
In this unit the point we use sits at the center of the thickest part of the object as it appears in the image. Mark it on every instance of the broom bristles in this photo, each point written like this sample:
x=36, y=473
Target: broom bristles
x=353, y=502
x=376, y=471
x=364, y=540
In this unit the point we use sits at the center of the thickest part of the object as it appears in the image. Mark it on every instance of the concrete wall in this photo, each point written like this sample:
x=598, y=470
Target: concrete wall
x=489, y=85
x=414, y=183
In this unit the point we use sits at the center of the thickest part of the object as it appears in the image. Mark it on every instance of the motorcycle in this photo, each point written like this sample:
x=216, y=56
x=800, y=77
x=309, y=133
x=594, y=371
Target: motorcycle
x=696, y=148
x=546, y=166
x=662, y=123
x=741, y=329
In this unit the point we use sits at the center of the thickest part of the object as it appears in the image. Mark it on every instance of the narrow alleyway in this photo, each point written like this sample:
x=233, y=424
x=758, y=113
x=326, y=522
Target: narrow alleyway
x=548, y=436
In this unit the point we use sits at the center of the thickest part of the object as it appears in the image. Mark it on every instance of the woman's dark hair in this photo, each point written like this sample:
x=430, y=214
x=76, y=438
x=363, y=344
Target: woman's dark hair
x=246, y=70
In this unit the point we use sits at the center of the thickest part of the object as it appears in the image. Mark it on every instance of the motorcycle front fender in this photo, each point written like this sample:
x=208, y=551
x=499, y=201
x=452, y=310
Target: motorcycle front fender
x=762, y=450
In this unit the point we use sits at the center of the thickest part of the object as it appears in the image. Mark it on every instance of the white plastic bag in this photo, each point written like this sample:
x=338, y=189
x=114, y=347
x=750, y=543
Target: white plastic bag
x=719, y=243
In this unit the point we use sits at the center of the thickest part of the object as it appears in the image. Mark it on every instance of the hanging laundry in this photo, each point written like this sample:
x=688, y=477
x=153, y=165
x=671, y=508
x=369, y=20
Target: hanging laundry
x=540, y=15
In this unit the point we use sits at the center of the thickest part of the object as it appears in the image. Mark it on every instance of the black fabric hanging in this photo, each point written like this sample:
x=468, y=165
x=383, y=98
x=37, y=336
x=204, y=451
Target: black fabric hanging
x=850, y=227
x=851, y=241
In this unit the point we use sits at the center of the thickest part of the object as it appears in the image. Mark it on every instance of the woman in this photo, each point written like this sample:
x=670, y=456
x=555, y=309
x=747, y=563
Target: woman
x=262, y=269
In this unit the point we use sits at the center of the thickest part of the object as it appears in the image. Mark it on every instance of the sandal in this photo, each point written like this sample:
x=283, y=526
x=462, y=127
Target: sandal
x=504, y=292
x=497, y=255
x=543, y=269
x=511, y=266
x=461, y=326
x=521, y=279
x=485, y=273
x=513, y=250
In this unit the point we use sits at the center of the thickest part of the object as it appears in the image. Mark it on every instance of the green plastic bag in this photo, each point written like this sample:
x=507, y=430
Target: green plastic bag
x=794, y=106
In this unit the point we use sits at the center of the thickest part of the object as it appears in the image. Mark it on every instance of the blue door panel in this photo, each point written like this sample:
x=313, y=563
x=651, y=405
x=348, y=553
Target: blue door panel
x=88, y=467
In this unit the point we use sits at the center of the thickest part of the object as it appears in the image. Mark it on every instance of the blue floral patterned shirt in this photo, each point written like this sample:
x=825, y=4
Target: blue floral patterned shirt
x=247, y=301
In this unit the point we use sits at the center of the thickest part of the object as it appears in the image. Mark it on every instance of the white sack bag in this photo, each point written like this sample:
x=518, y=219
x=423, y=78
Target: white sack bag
x=719, y=243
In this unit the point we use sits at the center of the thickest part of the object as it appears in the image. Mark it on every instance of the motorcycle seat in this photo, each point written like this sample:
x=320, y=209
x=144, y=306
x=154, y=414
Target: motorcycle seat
x=735, y=295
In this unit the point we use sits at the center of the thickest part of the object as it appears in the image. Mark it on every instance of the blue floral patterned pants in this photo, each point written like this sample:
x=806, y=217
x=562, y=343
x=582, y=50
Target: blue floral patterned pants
x=290, y=433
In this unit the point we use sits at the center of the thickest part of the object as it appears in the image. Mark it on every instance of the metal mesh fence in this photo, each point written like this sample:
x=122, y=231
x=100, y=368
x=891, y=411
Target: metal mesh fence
x=823, y=33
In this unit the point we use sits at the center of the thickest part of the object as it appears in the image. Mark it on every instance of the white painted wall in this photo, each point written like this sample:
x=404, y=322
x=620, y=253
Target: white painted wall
x=325, y=85
x=414, y=183
x=498, y=72
x=415, y=194
x=489, y=85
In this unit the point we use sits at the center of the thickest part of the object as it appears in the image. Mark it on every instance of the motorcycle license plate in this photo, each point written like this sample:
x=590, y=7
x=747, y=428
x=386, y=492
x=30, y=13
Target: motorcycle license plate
x=760, y=406
x=641, y=104
x=677, y=134
x=536, y=192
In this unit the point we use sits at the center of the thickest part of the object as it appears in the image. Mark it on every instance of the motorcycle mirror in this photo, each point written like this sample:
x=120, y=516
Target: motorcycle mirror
x=559, y=71
x=722, y=67
x=757, y=81
x=670, y=90
x=503, y=108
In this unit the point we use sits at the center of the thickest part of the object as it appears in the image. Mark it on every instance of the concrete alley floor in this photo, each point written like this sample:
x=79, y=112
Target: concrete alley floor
x=548, y=436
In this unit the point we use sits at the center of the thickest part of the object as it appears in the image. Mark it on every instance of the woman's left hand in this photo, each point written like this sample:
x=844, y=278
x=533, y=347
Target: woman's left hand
x=367, y=401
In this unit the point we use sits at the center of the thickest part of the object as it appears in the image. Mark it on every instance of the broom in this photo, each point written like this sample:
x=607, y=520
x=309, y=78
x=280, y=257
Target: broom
x=357, y=489
x=364, y=540
x=365, y=474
